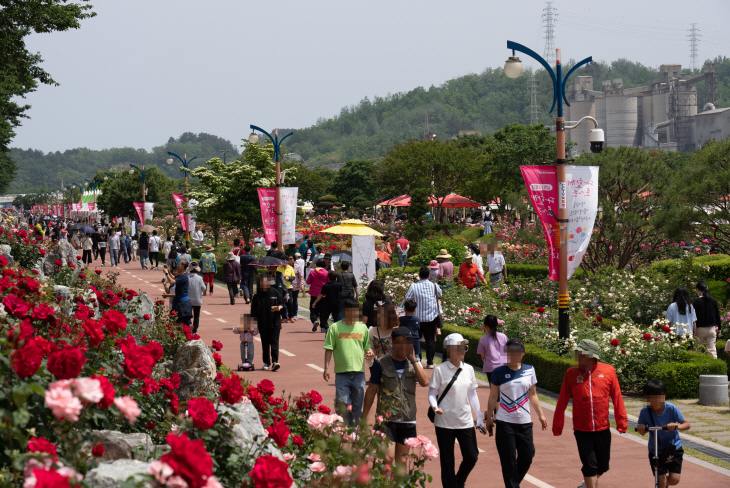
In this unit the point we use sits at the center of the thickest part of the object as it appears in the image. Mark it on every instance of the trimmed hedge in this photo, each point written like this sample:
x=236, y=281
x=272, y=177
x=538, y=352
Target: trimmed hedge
x=719, y=265
x=683, y=378
x=471, y=234
x=718, y=290
x=396, y=272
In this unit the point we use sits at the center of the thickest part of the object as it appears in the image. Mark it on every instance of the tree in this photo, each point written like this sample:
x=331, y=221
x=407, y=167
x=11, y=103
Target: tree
x=326, y=202
x=20, y=69
x=353, y=180
x=361, y=203
x=442, y=167
x=312, y=183
x=119, y=194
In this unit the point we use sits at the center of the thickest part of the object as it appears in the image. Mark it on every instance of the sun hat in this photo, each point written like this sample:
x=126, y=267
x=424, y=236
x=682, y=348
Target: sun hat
x=231, y=257
x=443, y=254
x=587, y=347
x=454, y=340
x=297, y=255
x=402, y=331
x=209, y=248
x=434, y=264
x=468, y=255
x=194, y=266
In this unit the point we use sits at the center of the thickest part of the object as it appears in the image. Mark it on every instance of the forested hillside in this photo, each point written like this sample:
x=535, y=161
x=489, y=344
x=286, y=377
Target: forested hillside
x=46, y=171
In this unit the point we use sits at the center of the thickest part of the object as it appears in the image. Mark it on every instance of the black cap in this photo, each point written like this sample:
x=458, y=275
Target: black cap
x=402, y=331
x=328, y=256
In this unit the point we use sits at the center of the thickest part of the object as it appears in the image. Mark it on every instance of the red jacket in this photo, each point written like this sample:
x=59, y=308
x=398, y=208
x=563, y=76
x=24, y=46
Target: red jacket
x=469, y=275
x=590, y=400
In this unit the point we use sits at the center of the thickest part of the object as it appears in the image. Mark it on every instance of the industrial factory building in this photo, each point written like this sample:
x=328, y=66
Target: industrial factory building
x=662, y=114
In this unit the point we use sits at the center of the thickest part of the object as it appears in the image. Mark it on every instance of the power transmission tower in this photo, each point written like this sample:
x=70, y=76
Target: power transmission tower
x=694, y=39
x=549, y=17
x=534, y=107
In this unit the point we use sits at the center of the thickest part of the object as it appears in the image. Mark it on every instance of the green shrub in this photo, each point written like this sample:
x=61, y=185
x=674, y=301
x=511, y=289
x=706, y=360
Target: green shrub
x=549, y=367
x=719, y=266
x=683, y=378
x=428, y=249
x=530, y=271
x=471, y=234
x=396, y=272
x=718, y=290
x=721, y=354
x=472, y=335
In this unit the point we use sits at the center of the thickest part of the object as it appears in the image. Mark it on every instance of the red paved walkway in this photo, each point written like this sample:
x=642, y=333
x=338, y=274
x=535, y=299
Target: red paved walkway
x=556, y=461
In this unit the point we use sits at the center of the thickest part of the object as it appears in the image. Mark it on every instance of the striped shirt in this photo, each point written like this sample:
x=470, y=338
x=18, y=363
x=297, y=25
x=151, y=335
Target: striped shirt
x=424, y=293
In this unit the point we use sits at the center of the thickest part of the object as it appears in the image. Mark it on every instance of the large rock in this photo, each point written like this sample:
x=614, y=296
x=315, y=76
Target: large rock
x=246, y=427
x=5, y=251
x=196, y=367
x=124, y=446
x=63, y=251
x=113, y=474
x=137, y=308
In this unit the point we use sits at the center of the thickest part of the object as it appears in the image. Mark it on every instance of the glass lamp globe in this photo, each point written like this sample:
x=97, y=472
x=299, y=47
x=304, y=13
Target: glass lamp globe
x=253, y=138
x=169, y=160
x=513, y=67
x=131, y=171
x=106, y=178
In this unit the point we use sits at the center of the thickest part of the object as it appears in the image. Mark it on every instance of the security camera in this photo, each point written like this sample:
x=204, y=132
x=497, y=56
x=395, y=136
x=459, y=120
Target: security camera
x=596, y=138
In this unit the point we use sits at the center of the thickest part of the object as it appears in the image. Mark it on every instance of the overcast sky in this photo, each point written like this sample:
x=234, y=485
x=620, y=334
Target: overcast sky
x=142, y=71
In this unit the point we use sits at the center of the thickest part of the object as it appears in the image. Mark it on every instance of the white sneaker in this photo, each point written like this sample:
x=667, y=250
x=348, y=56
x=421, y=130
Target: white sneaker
x=266, y=367
x=275, y=367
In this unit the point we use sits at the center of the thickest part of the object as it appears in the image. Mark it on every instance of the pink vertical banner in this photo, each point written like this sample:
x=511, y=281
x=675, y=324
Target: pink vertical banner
x=79, y=206
x=55, y=209
x=180, y=204
x=139, y=206
x=92, y=207
x=542, y=186
x=70, y=209
x=267, y=199
x=46, y=210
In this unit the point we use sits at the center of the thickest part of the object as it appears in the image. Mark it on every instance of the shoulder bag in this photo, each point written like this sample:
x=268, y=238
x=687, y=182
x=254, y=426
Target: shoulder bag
x=431, y=411
x=440, y=322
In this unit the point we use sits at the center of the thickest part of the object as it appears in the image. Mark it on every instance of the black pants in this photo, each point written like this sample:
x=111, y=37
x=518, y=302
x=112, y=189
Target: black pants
x=516, y=450
x=247, y=285
x=102, y=253
x=86, y=257
x=270, y=345
x=469, y=453
x=196, y=318
x=95, y=249
x=594, y=449
x=232, y=291
x=428, y=329
x=328, y=312
x=155, y=256
x=313, y=311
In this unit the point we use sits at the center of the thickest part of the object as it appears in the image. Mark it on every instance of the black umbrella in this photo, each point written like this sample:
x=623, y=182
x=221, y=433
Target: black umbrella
x=78, y=226
x=268, y=261
x=339, y=256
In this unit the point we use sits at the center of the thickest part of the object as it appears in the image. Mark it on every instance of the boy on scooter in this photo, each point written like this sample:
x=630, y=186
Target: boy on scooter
x=246, y=331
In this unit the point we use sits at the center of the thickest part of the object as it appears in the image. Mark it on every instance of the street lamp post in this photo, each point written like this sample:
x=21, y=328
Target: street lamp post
x=93, y=188
x=144, y=174
x=513, y=68
x=224, y=151
x=185, y=163
x=253, y=138
x=109, y=175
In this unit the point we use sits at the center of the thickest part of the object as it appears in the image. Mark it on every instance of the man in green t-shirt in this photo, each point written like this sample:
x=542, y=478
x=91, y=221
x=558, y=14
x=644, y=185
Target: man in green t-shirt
x=349, y=342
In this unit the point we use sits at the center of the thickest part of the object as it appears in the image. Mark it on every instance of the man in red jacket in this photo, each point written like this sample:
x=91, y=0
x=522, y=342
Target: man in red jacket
x=590, y=385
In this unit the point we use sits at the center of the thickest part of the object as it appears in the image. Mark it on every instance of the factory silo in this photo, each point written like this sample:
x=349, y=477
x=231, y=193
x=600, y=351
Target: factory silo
x=622, y=120
x=601, y=112
x=578, y=110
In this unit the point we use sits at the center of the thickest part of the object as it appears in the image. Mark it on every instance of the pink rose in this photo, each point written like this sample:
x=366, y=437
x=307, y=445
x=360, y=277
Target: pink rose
x=128, y=407
x=289, y=457
x=314, y=457
x=412, y=442
x=161, y=471
x=343, y=472
x=317, y=467
x=379, y=418
x=63, y=404
x=424, y=440
x=430, y=451
x=88, y=389
x=244, y=399
x=176, y=482
x=212, y=482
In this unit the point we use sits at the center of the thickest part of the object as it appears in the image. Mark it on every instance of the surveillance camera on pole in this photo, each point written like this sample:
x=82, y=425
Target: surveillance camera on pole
x=596, y=138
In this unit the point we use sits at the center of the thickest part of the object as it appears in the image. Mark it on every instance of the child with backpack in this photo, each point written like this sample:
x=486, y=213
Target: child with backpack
x=246, y=332
x=209, y=267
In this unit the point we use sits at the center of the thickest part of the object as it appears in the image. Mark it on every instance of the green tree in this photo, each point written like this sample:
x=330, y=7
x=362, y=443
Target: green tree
x=118, y=195
x=312, y=183
x=353, y=180
x=20, y=70
x=326, y=202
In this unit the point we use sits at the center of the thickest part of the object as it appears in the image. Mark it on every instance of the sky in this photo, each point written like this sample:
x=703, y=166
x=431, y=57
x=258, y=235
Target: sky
x=142, y=71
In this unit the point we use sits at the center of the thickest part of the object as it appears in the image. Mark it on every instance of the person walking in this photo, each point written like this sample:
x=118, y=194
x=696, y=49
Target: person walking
x=496, y=265
x=446, y=269
x=231, y=275
x=403, y=246
x=487, y=223
x=476, y=257
x=113, y=242
x=166, y=247
x=266, y=305
x=181, y=300
x=348, y=342
x=428, y=310
x=287, y=274
x=393, y=379
x=491, y=346
x=195, y=292
x=512, y=389
x=453, y=408
x=708, y=318
x=469, y=274
x=209, y=267
x=124, y=244
x=317, y=278
x=296, y=287
x=590, y=385
x=95, y=240
x=144, y=250
x=274, y=251
x=247, y=272
x=375, y=299
x=103, y=241
x=348, y=282
x=328, y=301
x=87, y=245
x=380, y=336
x=681, y=314
x=154, y=254
x=134, y=246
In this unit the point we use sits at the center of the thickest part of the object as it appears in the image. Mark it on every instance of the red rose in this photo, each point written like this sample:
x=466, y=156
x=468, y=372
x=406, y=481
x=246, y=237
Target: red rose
x=79, y=258
x=271, y=472
x=203, y=413
x=155, y=350
x=42, y=312
x=150, y=386
x=66, y=363
x=3, y=261
x=541, y=309
x=27, y=360
x=265, y=387
x=599, y=318
x=551, y=325
x=146, y=317
x=217, y=358
x=471, y=321
x=94, y=334
x=42, y=251
x=138, y=362
x=324, y=409
x=623, y=351
x=108, y=390
x=297, y=440
x=114, y=321
x=189, y=460
x=135, y=321
x=58, y=263
x=174, y=402
x=41, y=445
x=279, y=432
x=49, y=478
x=646, y=337
x=666, y=328
x=97, y=271
x=82, y=276
x=15, y=306
x=98, y=450
x=26, y=331
x=171, y=383
x=315, y=396
x=150, y=425
x=657, y=339
x=231, y=390
x=614, y=342
x=72, y=265
x=217, y=345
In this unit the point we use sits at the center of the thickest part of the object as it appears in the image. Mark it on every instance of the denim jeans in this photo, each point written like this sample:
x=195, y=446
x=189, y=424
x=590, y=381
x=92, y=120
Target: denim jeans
x=114, y=256
x=293, y=303
x=402, y=259
x=350, y=390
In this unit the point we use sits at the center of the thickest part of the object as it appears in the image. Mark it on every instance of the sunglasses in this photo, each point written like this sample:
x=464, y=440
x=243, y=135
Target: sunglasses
x=460, y=348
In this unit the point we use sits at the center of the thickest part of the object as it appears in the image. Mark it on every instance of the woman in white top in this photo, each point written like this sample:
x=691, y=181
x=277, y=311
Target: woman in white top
x=454, y=419
x=681, y=313
x=86, y=245
x=476, y=258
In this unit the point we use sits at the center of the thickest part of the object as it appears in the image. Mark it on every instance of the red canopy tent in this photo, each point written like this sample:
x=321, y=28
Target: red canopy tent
x=449, y=201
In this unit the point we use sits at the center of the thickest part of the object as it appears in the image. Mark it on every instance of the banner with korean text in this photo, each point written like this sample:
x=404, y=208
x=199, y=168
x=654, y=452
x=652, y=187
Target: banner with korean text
x=180, y=204
x=267, y=199
x=139, y=207
x=582, y=192
x=288, y=214
x=149, y=208
x=542, y=186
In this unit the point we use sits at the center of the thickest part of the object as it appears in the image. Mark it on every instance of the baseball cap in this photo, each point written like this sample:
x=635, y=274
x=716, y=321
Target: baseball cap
x=402, y=331
x=297, y=255
x=587, y=347
x=455, y=340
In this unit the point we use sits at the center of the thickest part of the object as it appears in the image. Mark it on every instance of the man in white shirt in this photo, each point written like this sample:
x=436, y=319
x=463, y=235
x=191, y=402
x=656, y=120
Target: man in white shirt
x=155, y=244
x=495, y=265
x=113, y=244
x=198, y=237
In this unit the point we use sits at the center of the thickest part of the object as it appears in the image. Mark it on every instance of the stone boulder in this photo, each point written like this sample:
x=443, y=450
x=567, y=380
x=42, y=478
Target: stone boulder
x=246, y=427
x=137, y=308
x=123, y=446
x=63, y=251
x=5, y=251
x=113, y=474
x=195, y=364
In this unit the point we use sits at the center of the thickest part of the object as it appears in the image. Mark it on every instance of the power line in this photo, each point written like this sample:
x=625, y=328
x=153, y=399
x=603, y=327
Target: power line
x=549, y=17
x=535, y=111
x=694, y=39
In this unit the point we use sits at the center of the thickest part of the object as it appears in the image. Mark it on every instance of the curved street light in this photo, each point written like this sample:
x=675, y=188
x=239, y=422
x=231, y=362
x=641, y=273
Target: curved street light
x=143, y=172
x=185, y=163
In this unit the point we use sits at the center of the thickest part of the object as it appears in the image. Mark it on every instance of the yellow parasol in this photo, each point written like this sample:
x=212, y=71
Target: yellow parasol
x=353, y=227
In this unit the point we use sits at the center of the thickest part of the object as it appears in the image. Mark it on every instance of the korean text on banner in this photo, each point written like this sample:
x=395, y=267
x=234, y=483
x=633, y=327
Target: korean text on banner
x=267, y=199
x=582, y=189
x=92, y=207
x=192, y=203
x=363, y=257
x=542, y=186
x=139, y=207
x=288, y=215
x=179, y=199
x=55, y=209
x=149, y=209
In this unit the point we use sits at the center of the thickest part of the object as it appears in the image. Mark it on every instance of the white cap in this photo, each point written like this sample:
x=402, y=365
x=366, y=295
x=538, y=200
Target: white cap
x=455, y=340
